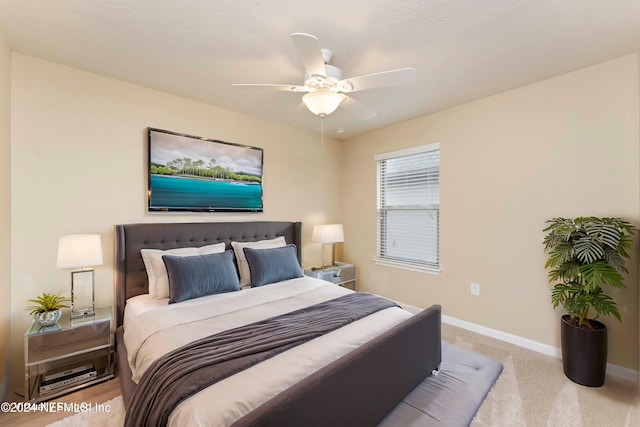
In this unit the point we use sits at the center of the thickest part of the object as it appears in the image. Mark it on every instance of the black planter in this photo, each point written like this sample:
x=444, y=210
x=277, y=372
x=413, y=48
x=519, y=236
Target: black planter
x=584, y=352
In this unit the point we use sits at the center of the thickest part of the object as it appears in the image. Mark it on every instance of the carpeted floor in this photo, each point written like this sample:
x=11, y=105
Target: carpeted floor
x=533, y=391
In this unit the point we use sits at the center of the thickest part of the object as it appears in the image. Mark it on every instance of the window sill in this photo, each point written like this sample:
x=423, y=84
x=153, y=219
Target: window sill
x=403, y=266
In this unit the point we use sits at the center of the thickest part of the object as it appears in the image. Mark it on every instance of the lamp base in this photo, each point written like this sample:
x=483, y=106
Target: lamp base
x=82, y=294
x=87, y=312
x=328, y=256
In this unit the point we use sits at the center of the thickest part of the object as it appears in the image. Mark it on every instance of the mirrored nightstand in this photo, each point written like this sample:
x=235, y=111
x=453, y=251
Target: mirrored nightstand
x=72, y=354
x=340, y=273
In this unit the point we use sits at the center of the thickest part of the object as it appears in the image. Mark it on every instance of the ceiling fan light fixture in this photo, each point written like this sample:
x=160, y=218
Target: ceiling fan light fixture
x=322, y=102
x=323, y=84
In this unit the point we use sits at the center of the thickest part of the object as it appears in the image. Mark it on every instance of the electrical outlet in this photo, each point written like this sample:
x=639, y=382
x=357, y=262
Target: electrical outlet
x=475, y=289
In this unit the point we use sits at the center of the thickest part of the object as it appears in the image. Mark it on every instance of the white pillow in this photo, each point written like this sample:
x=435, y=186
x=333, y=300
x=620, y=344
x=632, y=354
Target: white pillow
x=243, y=267
x=157, y=272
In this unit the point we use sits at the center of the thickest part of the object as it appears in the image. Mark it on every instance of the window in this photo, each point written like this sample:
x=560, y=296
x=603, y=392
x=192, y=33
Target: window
x=408, y=208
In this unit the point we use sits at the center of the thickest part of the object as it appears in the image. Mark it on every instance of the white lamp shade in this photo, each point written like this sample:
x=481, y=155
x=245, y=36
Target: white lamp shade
x=79, y=250
x=322, y=102
x=329, y=233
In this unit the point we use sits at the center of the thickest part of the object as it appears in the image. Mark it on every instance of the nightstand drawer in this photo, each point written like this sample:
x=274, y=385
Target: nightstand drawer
x=64, y=342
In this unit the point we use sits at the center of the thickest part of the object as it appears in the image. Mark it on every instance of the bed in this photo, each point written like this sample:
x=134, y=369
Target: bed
x=351, y=375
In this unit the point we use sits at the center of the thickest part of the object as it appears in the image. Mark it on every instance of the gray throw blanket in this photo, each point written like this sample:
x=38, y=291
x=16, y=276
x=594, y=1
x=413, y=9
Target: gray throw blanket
x=197, y=365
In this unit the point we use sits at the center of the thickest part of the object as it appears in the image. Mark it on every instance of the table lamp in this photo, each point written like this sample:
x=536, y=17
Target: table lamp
x=328, y=234
x=80, y=250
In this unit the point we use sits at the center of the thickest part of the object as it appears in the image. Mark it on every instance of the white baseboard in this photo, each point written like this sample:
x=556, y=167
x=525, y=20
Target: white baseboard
x=615, y=370
x=622, y=372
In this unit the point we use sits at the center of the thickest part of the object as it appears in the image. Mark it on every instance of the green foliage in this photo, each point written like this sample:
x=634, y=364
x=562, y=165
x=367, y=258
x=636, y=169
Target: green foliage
x=185, y=166
x=162, y=170
x=584, y=255
x=47, y=302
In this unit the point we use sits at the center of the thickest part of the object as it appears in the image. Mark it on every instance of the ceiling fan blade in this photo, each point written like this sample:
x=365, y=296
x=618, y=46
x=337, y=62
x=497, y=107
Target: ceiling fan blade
x=398, y=77
x=358, y=109
x=273, y=87
x=310, y=53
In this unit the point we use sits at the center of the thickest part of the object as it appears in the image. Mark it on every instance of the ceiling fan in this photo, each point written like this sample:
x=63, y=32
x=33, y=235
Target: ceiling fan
x=325, y=89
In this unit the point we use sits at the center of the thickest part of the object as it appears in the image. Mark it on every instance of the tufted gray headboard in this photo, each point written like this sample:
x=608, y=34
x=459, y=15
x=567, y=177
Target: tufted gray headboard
x=131, y=276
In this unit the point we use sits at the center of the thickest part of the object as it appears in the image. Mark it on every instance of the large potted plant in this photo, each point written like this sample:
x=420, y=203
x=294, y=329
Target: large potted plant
x=586, y=255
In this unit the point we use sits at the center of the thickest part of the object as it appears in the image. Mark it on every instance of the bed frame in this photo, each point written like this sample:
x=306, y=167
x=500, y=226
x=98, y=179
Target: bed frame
x=400, y=358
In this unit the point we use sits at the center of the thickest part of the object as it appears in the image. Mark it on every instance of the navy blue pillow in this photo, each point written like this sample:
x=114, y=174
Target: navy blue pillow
x=273, y=264
x=199, y=275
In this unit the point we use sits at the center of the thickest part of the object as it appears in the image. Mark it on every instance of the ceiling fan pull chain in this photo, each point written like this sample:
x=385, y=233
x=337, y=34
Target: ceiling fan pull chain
x=322, y=133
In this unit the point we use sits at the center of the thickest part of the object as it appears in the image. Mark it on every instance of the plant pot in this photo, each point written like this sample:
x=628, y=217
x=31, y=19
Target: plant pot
x=48, y=318
x=584, y=352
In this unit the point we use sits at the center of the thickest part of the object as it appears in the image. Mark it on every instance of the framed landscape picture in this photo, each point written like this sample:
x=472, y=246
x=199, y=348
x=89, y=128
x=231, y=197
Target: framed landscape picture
x=192, y=174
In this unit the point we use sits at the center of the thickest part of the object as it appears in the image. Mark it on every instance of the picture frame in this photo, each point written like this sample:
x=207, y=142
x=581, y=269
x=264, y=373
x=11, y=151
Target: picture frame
x=188, y=173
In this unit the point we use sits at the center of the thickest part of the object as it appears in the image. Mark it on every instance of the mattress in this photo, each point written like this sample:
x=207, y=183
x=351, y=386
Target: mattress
x=154, y=327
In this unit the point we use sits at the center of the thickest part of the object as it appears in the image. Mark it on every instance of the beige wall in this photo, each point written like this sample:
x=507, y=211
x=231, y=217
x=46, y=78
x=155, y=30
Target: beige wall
x=79, y=165
x=568, y=146
x=5, y=212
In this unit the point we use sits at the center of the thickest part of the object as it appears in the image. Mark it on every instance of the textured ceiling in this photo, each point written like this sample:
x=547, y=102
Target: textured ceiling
x=462, y=50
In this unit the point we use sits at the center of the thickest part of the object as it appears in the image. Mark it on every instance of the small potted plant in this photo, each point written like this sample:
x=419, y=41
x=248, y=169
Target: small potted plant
x=46, y=308
x=585, y=255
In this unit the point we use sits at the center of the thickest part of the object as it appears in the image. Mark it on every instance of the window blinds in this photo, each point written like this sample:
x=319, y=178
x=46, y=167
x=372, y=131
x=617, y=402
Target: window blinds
x=408, y=205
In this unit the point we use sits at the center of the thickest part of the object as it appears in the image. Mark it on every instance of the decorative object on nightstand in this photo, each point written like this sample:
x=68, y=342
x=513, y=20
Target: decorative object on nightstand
x=68, y=356
x=80, y=250
x=328, y=234
x=46, y=308
x=340, y=273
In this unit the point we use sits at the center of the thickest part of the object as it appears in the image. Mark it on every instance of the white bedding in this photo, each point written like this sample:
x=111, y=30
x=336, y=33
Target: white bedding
x=141, y=303
x=152, y=328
